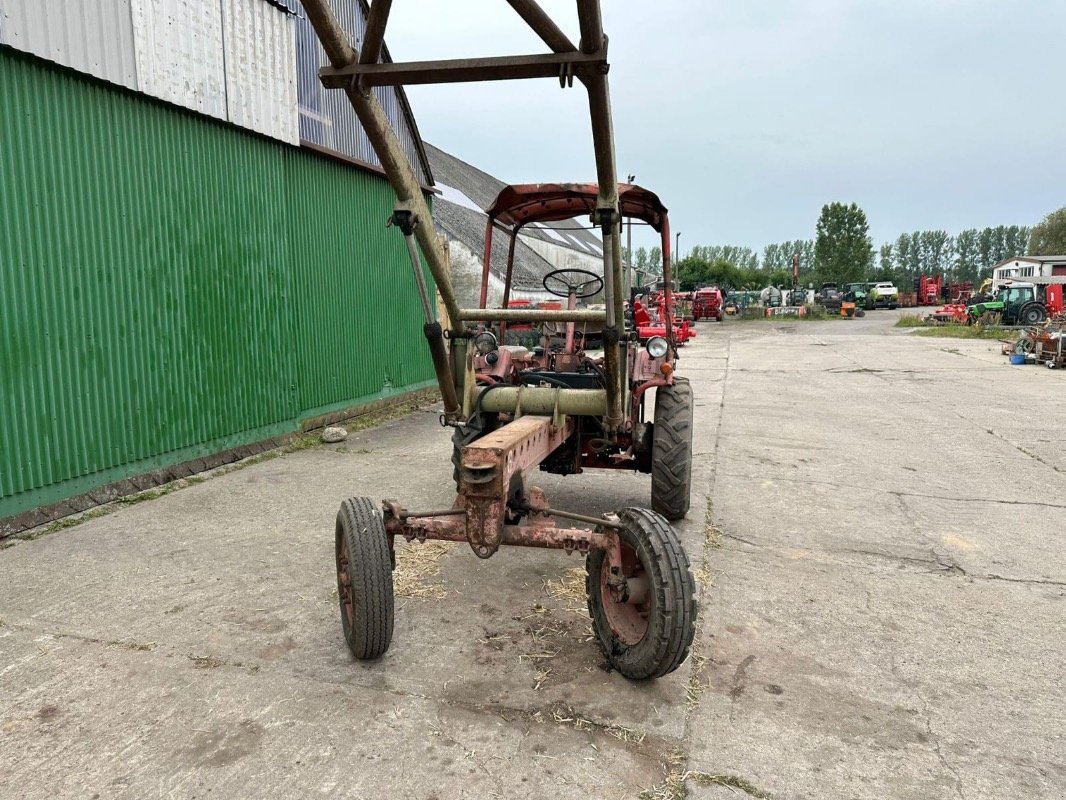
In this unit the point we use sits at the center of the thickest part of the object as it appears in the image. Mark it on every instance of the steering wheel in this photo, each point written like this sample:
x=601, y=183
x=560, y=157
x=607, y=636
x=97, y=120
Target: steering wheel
x=562, y=277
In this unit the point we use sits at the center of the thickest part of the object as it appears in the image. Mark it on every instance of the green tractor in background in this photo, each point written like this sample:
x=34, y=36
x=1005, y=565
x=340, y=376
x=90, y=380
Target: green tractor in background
x=859, y=293
x=1014, y=304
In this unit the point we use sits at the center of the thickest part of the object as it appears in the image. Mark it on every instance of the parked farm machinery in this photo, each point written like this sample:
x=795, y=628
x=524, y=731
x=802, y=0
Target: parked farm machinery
x=578, y=400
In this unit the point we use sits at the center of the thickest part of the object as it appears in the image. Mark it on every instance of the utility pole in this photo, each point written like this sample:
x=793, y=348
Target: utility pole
x=629, y=248
x=676, y=256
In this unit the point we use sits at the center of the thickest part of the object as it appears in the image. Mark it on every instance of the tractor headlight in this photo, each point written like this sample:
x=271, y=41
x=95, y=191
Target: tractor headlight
x=657, y=347
x=485, y=342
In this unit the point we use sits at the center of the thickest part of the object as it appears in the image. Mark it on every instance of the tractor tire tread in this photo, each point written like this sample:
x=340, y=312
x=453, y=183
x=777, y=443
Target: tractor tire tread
x=671, y=474
x=370, y=577
x=670, y=634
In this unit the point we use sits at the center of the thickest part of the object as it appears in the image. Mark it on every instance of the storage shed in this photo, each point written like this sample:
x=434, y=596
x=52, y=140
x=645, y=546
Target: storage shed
x=193, y=254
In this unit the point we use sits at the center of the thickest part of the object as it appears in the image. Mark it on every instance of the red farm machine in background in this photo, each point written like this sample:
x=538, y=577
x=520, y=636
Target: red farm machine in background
x=707, y=304
x=928, y=289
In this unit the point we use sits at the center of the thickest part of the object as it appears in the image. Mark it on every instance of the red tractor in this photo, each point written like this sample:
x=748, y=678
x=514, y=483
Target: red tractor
x=579, y=398
x=650, y=320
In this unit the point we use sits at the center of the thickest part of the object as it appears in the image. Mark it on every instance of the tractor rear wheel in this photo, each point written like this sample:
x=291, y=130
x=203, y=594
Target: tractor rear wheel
x=1032, y=314
x=364, y=578
x=644, y=614
x=671, y=466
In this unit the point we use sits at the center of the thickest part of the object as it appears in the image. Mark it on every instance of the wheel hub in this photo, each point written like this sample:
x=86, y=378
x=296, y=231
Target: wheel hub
x=344, y=584
x=626, y=600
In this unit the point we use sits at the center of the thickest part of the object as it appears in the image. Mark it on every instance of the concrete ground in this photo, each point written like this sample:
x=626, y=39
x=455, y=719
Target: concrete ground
x=878, y=530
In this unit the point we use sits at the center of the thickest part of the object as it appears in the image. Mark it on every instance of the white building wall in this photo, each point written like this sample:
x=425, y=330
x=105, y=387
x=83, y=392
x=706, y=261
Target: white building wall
x=92, y=37
x=180, y=57
x=234, y=60
x=260, y=46
x=466, y=280
x=563, y=257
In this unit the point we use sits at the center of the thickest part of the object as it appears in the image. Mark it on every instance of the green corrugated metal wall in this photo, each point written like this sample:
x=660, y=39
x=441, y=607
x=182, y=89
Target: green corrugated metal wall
x=172, y=287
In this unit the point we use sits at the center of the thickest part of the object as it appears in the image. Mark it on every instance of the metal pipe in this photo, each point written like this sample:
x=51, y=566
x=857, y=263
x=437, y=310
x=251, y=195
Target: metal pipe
x=668, y=282
x=555, y=538
x=420, y=279
x=613, y=340
x=629, y=248
x=554, y=512
x=530, y=315
x=542, y=400
x=374, y=37
x=510, y=267
x=438, y=352
x=390, y=152
x=486, y=263
x=542, y=25
x=571, y=305
x=444, y=529
x=448, y=512
x=463, y=70
x=593, y=40
x=588, y=15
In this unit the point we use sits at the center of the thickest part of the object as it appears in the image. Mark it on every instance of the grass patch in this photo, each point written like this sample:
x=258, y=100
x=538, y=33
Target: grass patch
x=910, y=321
x=968, y=332
x=379, y=416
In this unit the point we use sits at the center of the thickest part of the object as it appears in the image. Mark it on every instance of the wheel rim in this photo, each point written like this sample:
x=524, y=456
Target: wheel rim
x=344, y=583
x=628, y=618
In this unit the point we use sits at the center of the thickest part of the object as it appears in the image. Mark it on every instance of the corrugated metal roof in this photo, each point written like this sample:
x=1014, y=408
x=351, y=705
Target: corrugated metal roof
x=95, y=38
x=482, y=188
x=468, y=226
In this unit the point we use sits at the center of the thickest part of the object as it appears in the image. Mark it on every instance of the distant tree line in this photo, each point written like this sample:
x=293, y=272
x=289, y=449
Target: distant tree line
x=843, y=251
x=967, y=256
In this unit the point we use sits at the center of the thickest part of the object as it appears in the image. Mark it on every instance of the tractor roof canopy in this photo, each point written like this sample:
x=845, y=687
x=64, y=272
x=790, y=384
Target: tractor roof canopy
x=549, y=202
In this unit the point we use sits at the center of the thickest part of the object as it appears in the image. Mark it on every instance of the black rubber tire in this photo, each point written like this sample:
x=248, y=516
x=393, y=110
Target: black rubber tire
x=672, y=616
x=671, y=470
x=1032, y=314
x=468, y=434
x=361, y=535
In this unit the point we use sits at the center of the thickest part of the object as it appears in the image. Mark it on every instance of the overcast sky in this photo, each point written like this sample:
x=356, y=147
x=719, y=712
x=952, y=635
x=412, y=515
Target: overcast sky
x=746, y=117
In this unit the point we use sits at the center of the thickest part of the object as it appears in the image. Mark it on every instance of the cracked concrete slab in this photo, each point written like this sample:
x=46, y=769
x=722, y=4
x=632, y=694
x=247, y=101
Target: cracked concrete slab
x=881, y=616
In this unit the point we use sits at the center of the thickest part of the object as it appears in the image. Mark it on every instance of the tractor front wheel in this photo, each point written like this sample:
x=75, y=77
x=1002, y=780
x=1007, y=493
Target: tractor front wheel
x=671, y=466
x=643, y=612
x=364, y=578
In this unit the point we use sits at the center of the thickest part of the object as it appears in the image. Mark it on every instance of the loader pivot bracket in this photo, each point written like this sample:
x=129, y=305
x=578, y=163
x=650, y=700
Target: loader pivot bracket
x=405, y=220
x=605, y=218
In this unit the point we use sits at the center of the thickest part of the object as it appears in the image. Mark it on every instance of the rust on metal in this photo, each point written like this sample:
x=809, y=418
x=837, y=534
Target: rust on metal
x=495, y=467
x=454, y=529
x=552, y=202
